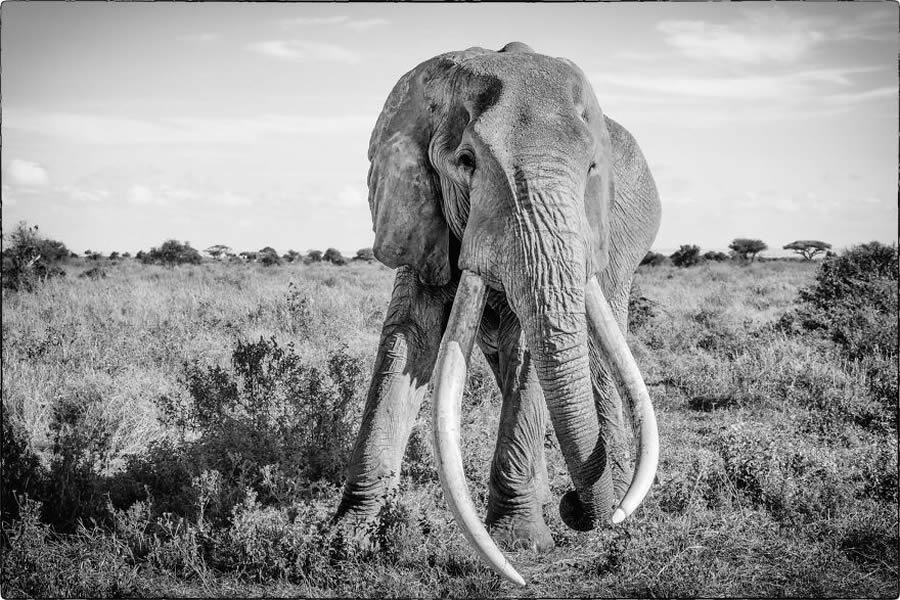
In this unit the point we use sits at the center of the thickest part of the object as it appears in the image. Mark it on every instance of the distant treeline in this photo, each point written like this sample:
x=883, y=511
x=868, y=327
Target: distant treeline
x=742, y=250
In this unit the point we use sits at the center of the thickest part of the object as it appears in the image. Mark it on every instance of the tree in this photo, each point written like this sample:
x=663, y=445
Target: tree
x=687, y=255
x=248, y=255
x=715, y=256
x=268, y=256
x=291, y=256
x=113, y=255
x=333, y=255
x=366, y=254
x=747, y=249
x=808, y=249
x=218, y=251
x=126, y=255
x=171, y=253
x=314, y=256
x=654, y=259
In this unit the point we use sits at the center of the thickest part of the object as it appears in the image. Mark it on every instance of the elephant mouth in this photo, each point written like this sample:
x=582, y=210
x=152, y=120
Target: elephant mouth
x=449, y=382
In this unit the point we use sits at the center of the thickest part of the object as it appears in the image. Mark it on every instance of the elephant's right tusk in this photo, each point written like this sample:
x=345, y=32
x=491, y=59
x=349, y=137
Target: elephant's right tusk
x=624, y=370
x=449, y=381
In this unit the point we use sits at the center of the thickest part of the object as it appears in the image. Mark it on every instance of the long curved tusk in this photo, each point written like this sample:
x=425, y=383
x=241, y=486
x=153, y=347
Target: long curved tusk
x=624, y=369
x=449, y=380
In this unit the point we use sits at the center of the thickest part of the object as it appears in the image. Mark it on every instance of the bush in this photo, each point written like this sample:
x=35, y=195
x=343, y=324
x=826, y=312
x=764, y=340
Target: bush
x=269, y=408
x=314, y=256
x=21, y=473
x=715, y=256
x=171, y=253
x=334, y=256
x=94, y=273
x=366, y=254
x=268, y=257
x=640, y=308
x=653, y=259
x=686, y=256
x=854, y=301
x=29, y=259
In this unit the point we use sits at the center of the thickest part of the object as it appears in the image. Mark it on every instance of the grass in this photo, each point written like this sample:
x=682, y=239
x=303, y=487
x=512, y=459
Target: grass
x=778, y=473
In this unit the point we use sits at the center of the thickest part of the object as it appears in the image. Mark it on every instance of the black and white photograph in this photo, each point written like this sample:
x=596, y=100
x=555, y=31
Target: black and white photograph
x=449, y=299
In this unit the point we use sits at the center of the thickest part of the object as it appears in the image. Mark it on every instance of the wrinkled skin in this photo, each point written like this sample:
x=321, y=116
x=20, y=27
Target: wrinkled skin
x=503, y=163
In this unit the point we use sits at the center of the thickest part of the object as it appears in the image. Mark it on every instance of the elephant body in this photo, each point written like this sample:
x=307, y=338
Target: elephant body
x=501, y=165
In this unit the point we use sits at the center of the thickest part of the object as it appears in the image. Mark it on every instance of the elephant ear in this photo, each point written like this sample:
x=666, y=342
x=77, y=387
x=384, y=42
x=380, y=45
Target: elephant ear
x=404, y=189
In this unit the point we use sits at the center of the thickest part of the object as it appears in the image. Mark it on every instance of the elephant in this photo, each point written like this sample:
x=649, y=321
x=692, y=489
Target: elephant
x=515, y=214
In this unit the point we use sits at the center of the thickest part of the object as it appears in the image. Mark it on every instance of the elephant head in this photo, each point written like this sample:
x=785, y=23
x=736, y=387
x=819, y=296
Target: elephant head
x=499, y=165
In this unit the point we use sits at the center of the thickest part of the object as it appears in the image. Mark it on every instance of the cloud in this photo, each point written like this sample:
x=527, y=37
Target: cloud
x=142, y=196
x=747, y=86
x=200, y=38
x=763, y=35
x=338, y=20
x=167, y=195
x=84, y=196
x=366, y=24
x=302, y=21
x=26, y=174
x=8, y=199
x=304, y=51
x=106, y=129
x=350, y=198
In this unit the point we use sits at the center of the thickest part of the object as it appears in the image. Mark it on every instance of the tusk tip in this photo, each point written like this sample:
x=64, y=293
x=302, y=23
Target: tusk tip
x=619, y=516
x=513, y=577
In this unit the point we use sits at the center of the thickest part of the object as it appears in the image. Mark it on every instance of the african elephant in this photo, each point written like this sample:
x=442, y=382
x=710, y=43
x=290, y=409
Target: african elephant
x=516, y=214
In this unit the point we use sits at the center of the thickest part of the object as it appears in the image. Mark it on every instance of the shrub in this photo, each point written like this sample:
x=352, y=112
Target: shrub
x=269, y=408
x=314, y=256
x=171, y=253
x=94, y=273
x=854, y=301
x=366, y=254
x=687, y=255
x=268, y=257
x=653, y=259
x=334, y=256
x=21, y=473
x=29, y=259
x=640, y=308
x=715, y=256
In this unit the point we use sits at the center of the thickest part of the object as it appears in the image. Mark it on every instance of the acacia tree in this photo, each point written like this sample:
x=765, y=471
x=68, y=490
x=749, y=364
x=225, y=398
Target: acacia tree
x=314, y=256
x=218, y=251
x=746, y=248
x=808, y=248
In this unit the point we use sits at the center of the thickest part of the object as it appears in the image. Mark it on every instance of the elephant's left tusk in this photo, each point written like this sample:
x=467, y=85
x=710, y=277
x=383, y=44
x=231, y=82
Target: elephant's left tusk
x=624, y=370
x=449, y=381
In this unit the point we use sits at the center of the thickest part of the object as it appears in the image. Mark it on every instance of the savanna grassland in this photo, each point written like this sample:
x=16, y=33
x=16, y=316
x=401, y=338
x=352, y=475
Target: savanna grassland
x=182, y=432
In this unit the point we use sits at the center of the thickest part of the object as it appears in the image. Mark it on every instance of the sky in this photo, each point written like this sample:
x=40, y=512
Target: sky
x=247, y=124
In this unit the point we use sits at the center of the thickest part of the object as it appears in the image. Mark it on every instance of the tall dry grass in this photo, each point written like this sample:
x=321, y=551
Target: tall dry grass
x=778, y=473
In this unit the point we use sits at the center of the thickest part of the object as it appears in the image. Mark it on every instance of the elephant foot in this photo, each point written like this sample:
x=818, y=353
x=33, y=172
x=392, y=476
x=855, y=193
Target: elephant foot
x=522, y=533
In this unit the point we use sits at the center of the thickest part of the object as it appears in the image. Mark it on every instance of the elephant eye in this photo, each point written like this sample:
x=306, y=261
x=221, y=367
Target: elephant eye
x=592, y=169
x=466, y=159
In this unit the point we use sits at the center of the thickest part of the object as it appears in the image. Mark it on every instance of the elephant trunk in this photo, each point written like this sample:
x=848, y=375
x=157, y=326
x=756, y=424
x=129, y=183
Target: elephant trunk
x=545, y=283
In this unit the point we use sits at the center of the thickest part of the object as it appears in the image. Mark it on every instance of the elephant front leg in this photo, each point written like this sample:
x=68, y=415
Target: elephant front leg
x=408, y=349
x=518, y=484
